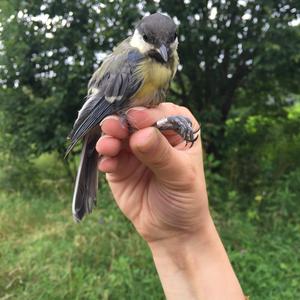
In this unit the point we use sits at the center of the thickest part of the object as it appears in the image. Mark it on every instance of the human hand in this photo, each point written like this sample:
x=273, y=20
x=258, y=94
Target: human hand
x=157, y=181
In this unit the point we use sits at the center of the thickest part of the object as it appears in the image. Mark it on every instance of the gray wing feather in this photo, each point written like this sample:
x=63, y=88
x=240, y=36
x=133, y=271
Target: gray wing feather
x=115, y=86
x=84, y=197
x=98, y=112
x=113, y=90
x=110, y=89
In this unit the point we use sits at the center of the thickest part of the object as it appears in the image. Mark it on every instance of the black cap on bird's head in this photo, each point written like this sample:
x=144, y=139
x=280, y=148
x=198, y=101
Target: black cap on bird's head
x=156, y=36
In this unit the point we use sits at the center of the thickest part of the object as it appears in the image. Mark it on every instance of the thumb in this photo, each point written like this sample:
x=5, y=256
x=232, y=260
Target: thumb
x=153, y=150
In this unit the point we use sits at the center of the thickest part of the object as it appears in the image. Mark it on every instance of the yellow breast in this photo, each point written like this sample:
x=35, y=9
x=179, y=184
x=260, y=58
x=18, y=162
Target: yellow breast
x=156, y=76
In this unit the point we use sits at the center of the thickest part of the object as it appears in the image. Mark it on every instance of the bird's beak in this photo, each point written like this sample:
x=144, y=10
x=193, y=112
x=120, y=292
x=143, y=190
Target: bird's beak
x=163, y=52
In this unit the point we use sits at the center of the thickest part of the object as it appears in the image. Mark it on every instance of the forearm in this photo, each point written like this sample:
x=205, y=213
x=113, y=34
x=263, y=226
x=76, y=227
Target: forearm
x=196, y=267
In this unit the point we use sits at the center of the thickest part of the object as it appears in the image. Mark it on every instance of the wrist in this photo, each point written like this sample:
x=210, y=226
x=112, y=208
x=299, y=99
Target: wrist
x=195, y=266
x=202, y=237
x=182, y=249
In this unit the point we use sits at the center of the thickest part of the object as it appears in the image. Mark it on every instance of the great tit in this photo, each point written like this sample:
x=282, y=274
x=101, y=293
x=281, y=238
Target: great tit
x=137, y=73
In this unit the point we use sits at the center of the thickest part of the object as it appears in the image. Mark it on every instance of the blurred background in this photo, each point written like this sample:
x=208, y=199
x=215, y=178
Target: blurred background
x=239, y=74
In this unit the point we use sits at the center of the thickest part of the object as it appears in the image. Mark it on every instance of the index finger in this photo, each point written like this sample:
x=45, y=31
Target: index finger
x=142, y=118
x=113, y=126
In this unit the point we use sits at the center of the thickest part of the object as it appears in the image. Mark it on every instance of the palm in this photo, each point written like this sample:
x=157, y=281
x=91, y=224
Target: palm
x=128, y=187
x=133, y=190
x=152, y=205
x=159, y=199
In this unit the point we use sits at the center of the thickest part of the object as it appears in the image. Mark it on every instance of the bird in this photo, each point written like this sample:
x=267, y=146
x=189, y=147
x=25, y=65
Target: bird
x=138, y=72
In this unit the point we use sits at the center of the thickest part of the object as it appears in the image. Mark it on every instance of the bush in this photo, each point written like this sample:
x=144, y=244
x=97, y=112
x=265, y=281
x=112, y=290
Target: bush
x=260, y=151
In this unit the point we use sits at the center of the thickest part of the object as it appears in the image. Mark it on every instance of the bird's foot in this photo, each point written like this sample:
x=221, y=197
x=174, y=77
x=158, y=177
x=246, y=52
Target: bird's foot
x=125, y=123
x=181, y=125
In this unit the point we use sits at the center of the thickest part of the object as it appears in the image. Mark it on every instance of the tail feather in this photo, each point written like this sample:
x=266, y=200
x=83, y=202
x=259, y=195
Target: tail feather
x=86, y=185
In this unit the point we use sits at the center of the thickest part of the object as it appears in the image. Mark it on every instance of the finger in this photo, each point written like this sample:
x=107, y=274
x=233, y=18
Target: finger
x=113, y=126
x=142, y=118
x=108, y=146
x=107, y=164
x=173, y=138
x=121, y=167
x=153, y=150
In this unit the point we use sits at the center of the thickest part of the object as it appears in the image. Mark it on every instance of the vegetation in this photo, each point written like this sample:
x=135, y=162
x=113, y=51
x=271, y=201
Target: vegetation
x=44, y=255
x=239, y=75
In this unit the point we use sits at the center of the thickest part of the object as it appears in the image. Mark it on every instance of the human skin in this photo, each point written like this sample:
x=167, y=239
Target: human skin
x=159, y=184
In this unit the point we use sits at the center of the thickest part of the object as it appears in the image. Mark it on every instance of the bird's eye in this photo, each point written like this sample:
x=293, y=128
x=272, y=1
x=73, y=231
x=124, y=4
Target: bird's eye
x=145, y=38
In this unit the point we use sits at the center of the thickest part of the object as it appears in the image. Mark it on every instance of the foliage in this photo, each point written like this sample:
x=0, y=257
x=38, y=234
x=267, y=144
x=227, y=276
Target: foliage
x=233, y=54
x=239, y=74
x=261, y=150
x=40, y=176
x=45, y=255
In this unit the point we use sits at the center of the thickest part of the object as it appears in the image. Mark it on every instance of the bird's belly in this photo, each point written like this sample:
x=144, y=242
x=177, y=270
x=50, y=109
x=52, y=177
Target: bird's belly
x=156, y=80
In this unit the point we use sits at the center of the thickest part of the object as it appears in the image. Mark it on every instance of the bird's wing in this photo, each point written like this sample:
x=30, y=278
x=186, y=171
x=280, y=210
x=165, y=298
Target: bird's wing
x=109, y=89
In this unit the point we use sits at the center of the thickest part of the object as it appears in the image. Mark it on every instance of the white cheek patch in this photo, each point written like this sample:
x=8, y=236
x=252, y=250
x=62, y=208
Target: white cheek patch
x=138, y=42
x=174, y=45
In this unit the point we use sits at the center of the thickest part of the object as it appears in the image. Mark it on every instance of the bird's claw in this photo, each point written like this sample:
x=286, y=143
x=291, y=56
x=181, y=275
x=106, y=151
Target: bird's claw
x=181, y=125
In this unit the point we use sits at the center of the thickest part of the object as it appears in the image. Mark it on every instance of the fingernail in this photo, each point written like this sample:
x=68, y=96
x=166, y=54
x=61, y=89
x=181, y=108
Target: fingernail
x=109, y=117
x=104, y=136
x=103, y=158
x=138, y=108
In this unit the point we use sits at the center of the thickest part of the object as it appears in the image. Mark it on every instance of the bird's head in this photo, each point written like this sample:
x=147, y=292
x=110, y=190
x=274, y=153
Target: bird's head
x=156, y=36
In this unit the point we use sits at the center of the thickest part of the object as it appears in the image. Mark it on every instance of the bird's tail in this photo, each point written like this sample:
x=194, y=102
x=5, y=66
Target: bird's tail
x=86, y=185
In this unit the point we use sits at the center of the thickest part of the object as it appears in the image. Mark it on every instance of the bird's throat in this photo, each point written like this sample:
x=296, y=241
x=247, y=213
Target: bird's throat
x=156, y=56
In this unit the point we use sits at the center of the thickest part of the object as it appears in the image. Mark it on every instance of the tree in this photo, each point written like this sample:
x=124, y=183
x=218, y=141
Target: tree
x=234, y=55
x=49, y=52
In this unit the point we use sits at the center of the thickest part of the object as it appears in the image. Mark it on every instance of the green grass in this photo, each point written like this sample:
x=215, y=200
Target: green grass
x=45, y=255
x=267, y=261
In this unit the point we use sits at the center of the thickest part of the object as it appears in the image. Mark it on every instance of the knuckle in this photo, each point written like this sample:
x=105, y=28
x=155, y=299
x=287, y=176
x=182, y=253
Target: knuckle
x=190, y=182
x=169, y=107
x=98, y=146
x=185, y=111
x=162, y=157
x=189, y=178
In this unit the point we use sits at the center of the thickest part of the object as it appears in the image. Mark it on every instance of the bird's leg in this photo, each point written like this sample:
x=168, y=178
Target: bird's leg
x=125, y=123
x=181, y=125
